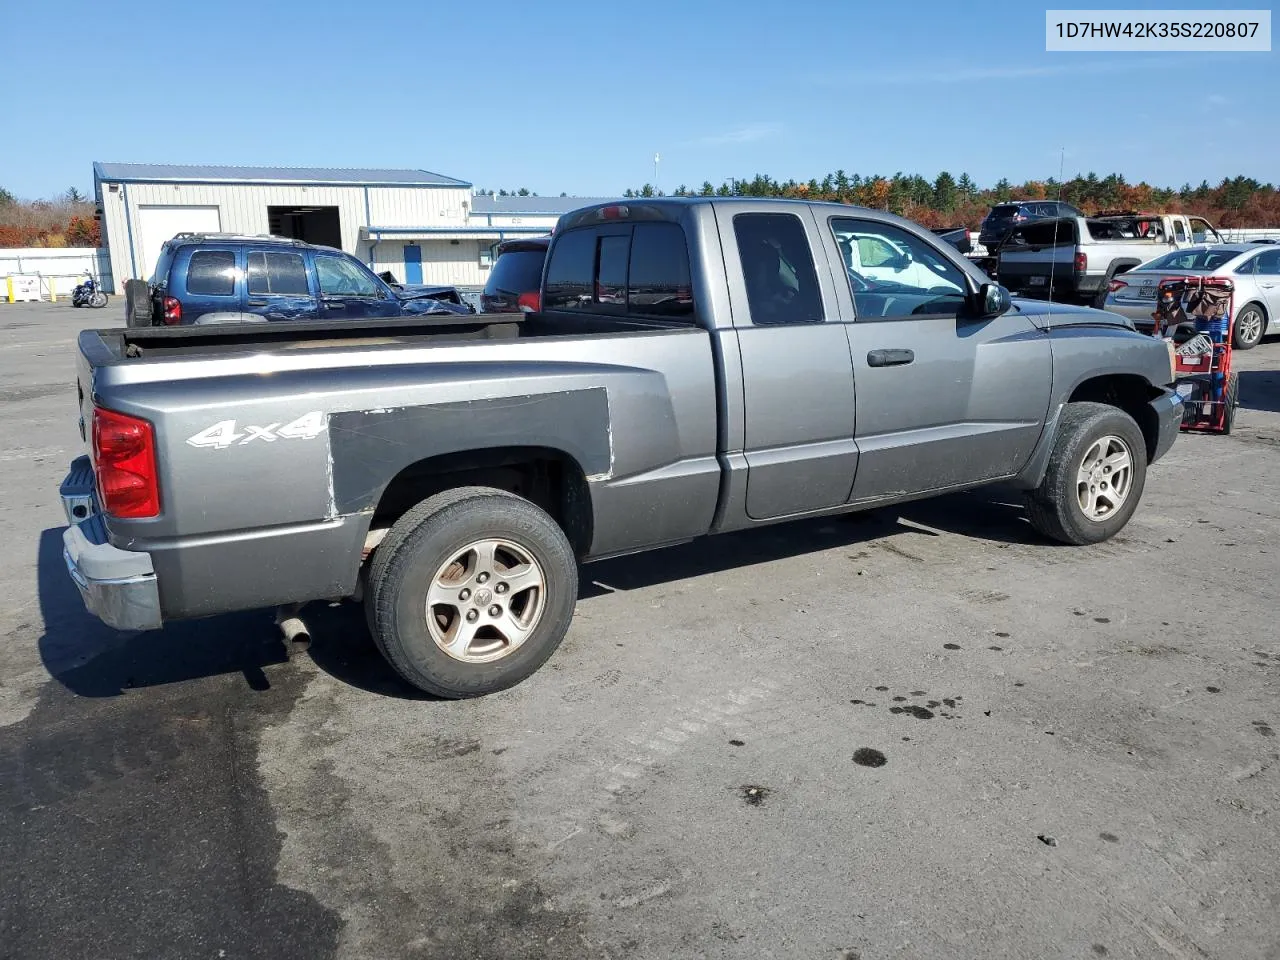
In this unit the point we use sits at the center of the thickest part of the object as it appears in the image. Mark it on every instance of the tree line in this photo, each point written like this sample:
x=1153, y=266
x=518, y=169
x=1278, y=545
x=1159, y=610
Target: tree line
x=958, y=201
x=66, y=220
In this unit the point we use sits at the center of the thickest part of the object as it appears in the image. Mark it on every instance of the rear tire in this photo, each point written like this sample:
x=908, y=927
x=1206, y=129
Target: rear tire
x=1248, y=327
x=1232, y=400
x=1089, y=434
x=518, y=603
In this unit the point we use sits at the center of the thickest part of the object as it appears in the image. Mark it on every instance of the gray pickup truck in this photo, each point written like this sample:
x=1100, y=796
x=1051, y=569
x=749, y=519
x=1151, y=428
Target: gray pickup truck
x=698, y=366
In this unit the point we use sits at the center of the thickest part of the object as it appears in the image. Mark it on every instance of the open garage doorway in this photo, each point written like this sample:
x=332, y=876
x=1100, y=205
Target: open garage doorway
x=311, y=224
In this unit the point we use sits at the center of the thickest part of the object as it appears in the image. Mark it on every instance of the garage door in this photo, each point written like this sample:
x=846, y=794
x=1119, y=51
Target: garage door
x=158, y=224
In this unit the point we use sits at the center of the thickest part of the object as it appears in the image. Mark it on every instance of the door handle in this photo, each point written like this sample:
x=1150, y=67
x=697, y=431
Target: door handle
x=890, y=358
x=257, y=303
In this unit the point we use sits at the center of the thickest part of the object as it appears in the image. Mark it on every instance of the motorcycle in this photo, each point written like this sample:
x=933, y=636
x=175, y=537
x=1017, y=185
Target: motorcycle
x=88, y=294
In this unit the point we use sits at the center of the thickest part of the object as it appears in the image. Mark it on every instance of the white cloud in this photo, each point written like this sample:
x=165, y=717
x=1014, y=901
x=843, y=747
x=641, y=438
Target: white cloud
x=1216, y=100
x=748, y=133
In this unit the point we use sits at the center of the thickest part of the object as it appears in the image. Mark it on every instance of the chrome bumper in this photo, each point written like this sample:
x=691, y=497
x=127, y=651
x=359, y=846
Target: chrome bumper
x=118, y=587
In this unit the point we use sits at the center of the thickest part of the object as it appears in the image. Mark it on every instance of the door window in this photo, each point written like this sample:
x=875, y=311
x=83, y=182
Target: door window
x=1267, y=264
x=281, y=274
x=1179, y=231
x=342, y=278
x=212, y=273
x=777, y=265
x=917, y=281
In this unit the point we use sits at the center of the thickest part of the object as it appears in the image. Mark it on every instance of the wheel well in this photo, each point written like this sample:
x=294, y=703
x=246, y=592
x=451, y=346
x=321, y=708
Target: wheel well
x=1266, y=314
x=549, y=478
x=1132, y=394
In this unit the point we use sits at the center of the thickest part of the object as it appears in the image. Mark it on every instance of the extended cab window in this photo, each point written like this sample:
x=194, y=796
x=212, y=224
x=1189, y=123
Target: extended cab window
x=212, y=273
x=282, y=274
x=913, y=279
x=342, y=278
x=659, y=283
x=777, y=265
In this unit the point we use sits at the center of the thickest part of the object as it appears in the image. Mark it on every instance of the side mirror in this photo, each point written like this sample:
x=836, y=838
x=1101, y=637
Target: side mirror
x=993, y=300
x=904, y=261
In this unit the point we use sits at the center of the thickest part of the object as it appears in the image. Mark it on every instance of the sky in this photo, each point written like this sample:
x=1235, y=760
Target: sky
x=577, y=97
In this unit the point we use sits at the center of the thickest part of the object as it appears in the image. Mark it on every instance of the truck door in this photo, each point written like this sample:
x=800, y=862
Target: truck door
x=348, y=291
x=943, y=398
x=796, y=370
x=278, y=285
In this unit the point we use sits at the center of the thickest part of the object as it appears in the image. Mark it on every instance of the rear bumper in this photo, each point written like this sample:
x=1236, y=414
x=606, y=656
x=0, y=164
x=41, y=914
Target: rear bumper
x=119, y=587
x=1168, y=410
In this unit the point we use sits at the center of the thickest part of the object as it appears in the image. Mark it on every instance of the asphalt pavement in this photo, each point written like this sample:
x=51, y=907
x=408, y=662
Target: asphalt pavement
x=919, y=733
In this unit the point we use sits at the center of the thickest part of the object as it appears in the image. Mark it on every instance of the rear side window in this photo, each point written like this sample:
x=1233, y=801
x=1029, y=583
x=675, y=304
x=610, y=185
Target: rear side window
x=659, y=283
x=777, y=265
x=277, y=273
x=1004, y=211
x=517, y=271
x=212, y=273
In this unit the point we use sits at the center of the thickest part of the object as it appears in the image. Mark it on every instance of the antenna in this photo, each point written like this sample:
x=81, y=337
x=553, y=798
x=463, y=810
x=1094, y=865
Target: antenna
x=656, y=158
x=1053, y=257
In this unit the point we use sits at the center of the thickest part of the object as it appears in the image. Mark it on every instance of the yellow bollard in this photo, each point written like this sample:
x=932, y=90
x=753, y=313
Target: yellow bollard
x=9, y=283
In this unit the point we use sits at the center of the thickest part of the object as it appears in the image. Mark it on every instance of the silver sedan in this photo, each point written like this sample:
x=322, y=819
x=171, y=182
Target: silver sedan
x=1254, y=267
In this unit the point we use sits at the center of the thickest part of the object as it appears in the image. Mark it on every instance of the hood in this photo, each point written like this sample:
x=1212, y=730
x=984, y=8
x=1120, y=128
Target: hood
x=1048, y=316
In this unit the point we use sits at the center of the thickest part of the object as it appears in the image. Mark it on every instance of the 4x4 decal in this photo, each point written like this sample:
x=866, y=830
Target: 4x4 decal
x=224, y=433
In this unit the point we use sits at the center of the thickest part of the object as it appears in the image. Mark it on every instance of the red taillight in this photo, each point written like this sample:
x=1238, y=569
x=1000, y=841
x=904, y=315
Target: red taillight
x=1082, y=261
x=619, y=212
x=124, y=460
x=172, y=311
x=1117, y=285
x=529, y=302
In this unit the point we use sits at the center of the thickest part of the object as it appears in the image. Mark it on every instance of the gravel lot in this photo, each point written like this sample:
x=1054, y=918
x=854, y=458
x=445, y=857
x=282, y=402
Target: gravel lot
x=1078, y=747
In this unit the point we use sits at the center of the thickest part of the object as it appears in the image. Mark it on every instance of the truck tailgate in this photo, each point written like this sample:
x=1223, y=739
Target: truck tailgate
x=1027, y=272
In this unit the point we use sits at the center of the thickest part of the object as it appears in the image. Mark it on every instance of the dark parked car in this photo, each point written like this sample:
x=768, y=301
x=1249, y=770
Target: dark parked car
x=216, y=277
x=516, y=276
x=1004, y=217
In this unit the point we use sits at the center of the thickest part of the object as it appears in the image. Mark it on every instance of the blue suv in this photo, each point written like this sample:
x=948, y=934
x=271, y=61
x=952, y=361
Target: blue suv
x=212, y=278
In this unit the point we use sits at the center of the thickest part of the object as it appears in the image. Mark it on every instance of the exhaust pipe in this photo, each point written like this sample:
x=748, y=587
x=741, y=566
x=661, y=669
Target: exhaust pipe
x=297, y=638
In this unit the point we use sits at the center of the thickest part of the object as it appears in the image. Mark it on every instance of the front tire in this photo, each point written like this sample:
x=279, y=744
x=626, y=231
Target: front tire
x=1095, y=476
x=471, y=592
x=1248, y=328
x=99, y=300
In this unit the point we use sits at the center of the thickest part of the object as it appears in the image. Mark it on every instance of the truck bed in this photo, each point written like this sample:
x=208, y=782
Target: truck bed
x=121, y=344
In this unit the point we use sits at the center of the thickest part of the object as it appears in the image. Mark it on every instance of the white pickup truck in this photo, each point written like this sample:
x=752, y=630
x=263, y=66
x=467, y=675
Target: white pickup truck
x=1077, y=257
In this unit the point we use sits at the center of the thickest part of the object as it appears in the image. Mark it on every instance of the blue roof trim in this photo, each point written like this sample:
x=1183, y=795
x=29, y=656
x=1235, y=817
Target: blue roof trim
x=310, y=176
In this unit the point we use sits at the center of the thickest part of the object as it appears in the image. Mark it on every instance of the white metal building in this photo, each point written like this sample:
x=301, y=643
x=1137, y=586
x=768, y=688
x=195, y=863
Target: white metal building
x=423, y=227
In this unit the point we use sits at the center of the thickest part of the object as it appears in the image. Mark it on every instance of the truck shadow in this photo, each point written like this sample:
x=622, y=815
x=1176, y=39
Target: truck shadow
x=1260, y=390
x=991, y=514
x=93, y=660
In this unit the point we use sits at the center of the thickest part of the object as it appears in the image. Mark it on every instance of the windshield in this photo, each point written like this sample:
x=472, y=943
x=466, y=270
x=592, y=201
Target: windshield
x=1004, y=211
x=1212, y=259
